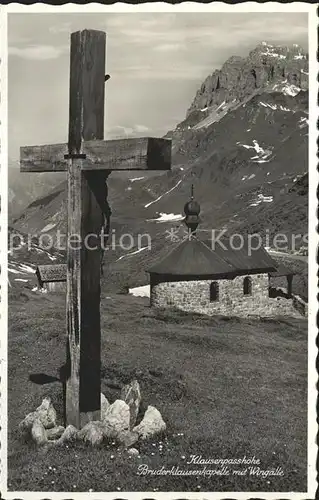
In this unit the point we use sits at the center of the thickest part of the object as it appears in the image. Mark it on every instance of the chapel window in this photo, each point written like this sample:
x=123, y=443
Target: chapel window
x=247, y=285
x=214, y=291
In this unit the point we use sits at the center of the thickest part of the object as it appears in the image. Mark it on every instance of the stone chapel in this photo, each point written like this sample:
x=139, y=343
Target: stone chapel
x=194, y=277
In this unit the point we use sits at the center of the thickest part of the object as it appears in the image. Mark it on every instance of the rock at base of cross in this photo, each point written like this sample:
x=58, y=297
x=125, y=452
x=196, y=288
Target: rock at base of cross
x=151, y=424
x=131, y=394
x=92, y=433
x=116, y=423
x=45, y=413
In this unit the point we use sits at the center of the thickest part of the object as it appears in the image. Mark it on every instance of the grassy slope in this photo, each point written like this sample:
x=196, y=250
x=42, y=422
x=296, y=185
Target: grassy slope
x=232, y=388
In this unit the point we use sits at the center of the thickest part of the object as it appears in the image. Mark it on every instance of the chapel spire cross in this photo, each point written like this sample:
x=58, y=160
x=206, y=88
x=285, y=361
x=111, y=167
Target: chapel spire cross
x=88, y=160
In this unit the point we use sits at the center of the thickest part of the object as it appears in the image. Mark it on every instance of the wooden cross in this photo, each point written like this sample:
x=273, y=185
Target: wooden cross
x=88, y=160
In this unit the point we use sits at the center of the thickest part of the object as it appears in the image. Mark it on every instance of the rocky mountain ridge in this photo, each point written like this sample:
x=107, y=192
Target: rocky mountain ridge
x=266, y=68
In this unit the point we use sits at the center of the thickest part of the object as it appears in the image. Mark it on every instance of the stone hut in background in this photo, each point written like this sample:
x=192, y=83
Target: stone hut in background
x=52, y=278
x=196, y=277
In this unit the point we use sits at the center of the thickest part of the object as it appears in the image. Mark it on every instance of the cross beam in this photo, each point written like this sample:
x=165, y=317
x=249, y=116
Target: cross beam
x=144, y=153
x=88, y=160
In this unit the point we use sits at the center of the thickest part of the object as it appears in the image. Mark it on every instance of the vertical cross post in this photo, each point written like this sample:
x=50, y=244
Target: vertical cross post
x=90, y=160
x=86, y=190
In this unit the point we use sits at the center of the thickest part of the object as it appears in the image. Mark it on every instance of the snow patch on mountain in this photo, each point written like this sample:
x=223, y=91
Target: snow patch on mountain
x=41, y=290
x=262, y=155
x=283, y=108
x=287, y=88
x=167, y=218
x=136, y=179
x=291, y=89
x=274, y=107
x=246, y=177
x=48, y=227
x=267, y=105
x=262, y=161
x=221, y=105
x=14, y=271
x=133, y=253
x=303, y=122
x=216, y=114
x=140, y=291
x=27, y=268
x=20, y=268
x=261, y=199
x=40, y=250
x=269, y=52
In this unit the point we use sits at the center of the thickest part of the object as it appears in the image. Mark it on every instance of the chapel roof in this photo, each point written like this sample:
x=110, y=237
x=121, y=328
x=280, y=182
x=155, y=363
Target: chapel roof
x=191, y=257
x=281, y=271
x=195, y=257
x=224, y=256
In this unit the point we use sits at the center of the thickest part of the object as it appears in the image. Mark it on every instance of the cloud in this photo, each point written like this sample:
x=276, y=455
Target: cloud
x=208, y=28
x=162, y=72
x=119, y=131
x=141, y=128
x=144, y=21
x=37, y=52
x=61, y=28
x=188, y=47
x=169, y=47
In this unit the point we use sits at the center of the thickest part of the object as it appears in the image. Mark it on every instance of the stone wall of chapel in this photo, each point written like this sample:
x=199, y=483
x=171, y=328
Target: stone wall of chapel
x=195, y=296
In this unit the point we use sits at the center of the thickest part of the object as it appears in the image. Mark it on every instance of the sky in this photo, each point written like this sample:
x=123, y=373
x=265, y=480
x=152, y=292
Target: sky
x=157, y=62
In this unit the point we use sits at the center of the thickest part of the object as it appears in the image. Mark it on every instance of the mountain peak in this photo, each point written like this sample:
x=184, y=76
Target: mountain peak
x=279, y=51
